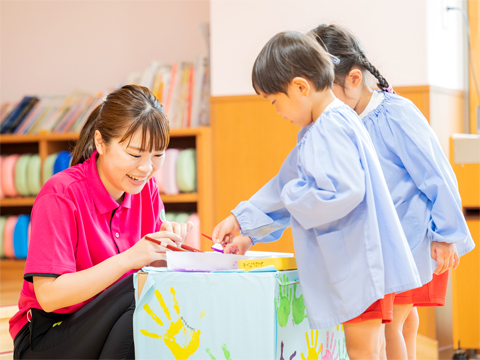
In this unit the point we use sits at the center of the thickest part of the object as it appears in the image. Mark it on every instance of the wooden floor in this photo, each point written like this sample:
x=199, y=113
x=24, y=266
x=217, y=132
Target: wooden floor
x=11, y=275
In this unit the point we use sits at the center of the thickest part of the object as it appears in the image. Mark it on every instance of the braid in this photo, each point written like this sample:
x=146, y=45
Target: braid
x=382, y=82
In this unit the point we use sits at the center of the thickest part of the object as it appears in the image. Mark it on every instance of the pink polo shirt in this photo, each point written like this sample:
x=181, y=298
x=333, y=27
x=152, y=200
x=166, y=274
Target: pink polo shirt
x=76, y=224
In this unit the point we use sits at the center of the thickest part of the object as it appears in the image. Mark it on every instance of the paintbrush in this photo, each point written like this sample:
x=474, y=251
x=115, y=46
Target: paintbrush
x=213, y=248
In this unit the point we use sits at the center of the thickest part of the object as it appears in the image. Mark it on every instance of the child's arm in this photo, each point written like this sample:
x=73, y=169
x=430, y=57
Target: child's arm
x=263, y=217
x=332, y=179
x=411, y=138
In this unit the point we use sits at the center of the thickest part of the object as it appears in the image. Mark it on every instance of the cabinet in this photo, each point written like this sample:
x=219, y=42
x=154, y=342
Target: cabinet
x=200, y=202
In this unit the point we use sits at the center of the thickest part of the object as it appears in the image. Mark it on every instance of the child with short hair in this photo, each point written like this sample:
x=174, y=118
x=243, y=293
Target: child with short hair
x=351, y=252
x=419, y=177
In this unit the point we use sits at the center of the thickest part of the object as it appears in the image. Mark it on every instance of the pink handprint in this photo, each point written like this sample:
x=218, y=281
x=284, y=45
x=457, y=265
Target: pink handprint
x=330, y=348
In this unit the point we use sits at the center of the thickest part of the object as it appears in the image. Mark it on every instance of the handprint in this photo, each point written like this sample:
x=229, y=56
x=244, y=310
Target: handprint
x=330, y=351
x=283, y=310
x=192, y=337
x=312, y=350
x=298, y=307
x=281, y=353
x=342, y=350
x=226, y=353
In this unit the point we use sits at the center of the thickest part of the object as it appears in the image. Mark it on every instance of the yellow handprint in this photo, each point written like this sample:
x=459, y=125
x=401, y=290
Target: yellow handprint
x=312, y=352
x=192, y=337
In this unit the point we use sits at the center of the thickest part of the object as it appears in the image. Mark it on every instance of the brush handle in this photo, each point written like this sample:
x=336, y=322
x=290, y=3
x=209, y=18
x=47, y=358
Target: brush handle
x=168, y=246
x=189, y=248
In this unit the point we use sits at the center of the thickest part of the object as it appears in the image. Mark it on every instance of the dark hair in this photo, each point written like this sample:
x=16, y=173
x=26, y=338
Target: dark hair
x=342, y=44
x=287, y=55
x=125, y=111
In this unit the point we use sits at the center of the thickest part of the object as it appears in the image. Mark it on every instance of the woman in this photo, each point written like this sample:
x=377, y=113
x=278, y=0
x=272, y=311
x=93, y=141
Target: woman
x=88, y=235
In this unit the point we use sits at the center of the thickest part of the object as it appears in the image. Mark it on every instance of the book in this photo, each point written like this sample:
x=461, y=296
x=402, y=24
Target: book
x=15, y=117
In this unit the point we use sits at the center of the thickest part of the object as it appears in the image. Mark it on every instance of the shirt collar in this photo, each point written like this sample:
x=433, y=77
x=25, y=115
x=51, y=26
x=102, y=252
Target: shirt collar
x=102, y=199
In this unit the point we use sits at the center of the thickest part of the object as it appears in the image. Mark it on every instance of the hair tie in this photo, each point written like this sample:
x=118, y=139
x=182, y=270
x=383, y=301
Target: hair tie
x=335, y=59
x=388, y=89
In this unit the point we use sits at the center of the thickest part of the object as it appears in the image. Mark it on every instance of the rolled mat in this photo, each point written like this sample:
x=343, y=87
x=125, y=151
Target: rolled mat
x=1, y=191
x=8, y=236
x=169, y=169
x=33, y=175
x=193, y=238
x=187, y=170
x=158, y=175
x=182, y=218
x=171, y=216
x=8, y=175
x=62, y=162
x=3, y=219
x=20, y=237
x=48, y=167
x=21, y=175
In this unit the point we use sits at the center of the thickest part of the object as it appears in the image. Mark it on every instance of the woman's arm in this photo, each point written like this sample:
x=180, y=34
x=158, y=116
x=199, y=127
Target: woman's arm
x=73, y=288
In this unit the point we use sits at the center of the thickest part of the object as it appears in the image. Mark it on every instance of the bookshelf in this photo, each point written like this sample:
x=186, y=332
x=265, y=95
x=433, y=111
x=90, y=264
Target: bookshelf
x=200, y=202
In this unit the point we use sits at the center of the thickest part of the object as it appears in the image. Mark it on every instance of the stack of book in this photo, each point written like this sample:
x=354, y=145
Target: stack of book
x=183, y=89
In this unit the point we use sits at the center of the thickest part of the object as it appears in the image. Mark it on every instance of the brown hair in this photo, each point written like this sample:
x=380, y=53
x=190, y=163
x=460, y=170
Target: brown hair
x=287, y=55
x=125, y=111
x=342, y=44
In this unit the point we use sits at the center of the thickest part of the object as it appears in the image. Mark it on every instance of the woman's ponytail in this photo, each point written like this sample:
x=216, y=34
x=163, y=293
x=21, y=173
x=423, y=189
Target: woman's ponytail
x=85, y=145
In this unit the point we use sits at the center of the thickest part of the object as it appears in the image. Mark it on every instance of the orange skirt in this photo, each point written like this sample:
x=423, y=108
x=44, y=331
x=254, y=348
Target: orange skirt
x=430, y=294
x=380, y=309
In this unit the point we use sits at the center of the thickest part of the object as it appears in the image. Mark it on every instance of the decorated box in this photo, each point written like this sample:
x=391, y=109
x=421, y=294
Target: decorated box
x=228, y=316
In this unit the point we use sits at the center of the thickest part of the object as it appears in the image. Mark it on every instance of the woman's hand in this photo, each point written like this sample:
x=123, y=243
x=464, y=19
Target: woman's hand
x=146, y=251
x=239, y=245
x=179, y=229
x=226, y=231
x=445, y=254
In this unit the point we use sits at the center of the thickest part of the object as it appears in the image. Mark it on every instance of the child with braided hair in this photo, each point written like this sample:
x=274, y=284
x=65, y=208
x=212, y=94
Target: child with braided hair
x=420, y=179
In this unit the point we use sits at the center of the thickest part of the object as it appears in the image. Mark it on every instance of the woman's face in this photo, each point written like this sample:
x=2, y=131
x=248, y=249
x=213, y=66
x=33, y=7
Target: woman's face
x=123, y=167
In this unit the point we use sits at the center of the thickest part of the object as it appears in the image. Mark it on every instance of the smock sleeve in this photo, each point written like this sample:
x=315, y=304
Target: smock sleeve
x=53, y=239
x=408, y=134
x=263, y=217
x=332, y=179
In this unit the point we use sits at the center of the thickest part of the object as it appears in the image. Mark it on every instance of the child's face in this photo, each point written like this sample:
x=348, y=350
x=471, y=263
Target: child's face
x=122, y=167
x=294, y=107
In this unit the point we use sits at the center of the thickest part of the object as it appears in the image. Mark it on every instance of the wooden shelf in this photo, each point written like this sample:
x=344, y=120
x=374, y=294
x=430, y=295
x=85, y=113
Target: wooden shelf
x=180, y=198
x=28, y=201
x=17, y=201
x=13, y=138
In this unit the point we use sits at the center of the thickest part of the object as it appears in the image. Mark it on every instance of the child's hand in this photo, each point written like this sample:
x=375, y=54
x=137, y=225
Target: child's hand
x=176, y=228
x=225, y=232
x=239, y=245
x=445, y=254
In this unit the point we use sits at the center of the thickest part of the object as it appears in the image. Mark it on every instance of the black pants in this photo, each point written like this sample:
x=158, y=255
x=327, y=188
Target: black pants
x=102, y=329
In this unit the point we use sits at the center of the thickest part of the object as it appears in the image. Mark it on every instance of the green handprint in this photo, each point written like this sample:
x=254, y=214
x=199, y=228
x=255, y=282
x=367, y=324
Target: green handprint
x=298, y=307
x=226, y=353
x=283, y=310
x=313, y=354
x=342, y=350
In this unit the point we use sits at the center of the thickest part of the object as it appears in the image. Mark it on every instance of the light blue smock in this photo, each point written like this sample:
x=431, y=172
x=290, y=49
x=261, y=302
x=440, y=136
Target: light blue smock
x=349, y=243
x=421, y=181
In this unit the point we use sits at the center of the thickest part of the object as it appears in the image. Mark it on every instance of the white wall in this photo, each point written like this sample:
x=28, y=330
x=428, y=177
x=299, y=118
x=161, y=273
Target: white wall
x=401, y=37
x=445, y=45
x=53, y=47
